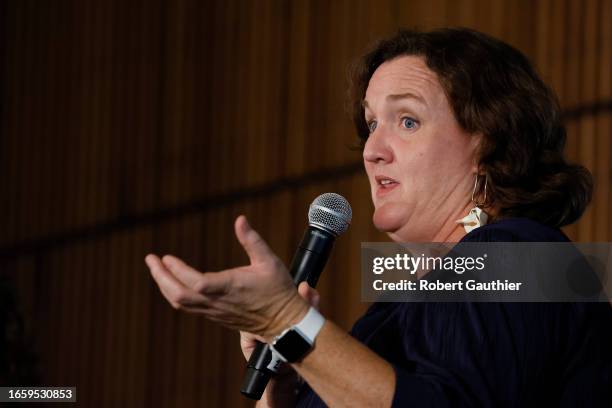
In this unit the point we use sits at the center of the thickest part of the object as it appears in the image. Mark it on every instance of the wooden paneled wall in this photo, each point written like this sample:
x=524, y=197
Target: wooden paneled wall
x=145, y=125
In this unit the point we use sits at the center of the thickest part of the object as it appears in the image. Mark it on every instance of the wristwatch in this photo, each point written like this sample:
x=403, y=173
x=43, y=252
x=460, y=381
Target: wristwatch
x=295, y=342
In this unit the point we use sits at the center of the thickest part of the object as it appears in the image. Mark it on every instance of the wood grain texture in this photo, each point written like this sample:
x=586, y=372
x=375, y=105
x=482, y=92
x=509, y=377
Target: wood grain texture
x=137, y=126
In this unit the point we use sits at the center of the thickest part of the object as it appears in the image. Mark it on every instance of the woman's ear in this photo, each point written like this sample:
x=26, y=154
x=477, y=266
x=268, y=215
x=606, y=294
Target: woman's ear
x=476, y=140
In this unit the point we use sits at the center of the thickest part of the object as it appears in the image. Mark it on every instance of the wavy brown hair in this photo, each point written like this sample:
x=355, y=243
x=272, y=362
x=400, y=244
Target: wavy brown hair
x=494, y=90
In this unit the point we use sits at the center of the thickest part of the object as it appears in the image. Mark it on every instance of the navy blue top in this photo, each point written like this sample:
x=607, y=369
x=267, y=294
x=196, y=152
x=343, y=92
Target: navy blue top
x=492, y=354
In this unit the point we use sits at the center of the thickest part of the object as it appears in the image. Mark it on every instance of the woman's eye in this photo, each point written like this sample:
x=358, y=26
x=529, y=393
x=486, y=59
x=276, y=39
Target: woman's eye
x=409, y=123
x=372, y=125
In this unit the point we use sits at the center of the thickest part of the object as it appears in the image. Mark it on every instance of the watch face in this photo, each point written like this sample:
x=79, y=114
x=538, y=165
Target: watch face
x=292, y=346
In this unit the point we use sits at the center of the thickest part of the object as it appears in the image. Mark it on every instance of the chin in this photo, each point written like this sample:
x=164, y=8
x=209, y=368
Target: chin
x=393, y=220
x=388, y=218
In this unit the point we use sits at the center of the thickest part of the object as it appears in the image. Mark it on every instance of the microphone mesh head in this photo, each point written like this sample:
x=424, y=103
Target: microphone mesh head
x=331, y=212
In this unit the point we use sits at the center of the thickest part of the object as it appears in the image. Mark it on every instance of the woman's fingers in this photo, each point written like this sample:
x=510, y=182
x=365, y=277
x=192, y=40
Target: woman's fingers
x=310, y=294
x=247, y=297
x=208, y=283
x=248, y=337
x=254, y=245
x=216, y=283
x=167, y=283
x=183, y=272
x=173, y=290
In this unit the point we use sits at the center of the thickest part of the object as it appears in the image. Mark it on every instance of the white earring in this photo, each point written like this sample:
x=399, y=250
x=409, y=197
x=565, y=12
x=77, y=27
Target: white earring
x=476, y=217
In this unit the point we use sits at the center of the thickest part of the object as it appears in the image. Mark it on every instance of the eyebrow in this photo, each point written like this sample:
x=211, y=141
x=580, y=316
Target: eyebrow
x=397, y=97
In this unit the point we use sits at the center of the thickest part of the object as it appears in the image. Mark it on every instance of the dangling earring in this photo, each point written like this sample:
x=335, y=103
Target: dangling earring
x=476, y=217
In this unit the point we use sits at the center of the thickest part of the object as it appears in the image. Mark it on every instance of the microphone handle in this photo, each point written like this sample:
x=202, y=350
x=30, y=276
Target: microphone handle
x=307, y=265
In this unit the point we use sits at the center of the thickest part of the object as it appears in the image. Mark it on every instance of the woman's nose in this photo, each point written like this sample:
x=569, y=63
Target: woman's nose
x=377, y=149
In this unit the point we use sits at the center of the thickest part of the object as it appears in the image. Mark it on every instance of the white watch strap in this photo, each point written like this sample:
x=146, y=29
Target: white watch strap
x=311, y=324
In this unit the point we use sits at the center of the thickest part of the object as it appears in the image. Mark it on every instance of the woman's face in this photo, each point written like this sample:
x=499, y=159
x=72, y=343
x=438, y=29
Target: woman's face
x=420, y=163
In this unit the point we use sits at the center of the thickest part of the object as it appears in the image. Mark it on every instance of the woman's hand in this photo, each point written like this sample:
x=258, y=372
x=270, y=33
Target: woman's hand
x=248, y=341
x=280, y=391
x=259, y=298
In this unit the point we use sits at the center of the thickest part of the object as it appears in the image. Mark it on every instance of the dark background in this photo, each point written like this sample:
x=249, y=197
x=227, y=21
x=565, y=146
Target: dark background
x=135, y=126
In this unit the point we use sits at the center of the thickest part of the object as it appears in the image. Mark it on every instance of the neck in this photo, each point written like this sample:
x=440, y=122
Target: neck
x=452, y=231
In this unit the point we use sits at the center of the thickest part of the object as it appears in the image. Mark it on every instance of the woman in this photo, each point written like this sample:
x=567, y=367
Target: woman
x=453, y=122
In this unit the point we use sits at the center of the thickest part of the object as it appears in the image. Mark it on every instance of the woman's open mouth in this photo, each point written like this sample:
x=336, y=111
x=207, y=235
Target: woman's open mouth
x=385, y=185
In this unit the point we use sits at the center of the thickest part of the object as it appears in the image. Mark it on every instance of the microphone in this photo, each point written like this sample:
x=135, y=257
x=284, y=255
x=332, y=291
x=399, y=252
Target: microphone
x=329, y=215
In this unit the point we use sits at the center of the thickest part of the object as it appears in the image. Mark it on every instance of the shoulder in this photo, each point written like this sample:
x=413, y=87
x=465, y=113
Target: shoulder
x=516, y=230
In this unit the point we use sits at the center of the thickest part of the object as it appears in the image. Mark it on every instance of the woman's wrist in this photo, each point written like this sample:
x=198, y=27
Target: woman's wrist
x=290, y=315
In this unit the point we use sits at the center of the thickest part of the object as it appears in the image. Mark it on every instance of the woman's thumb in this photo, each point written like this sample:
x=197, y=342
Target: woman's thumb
x=310, y=294
x=255, y=247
